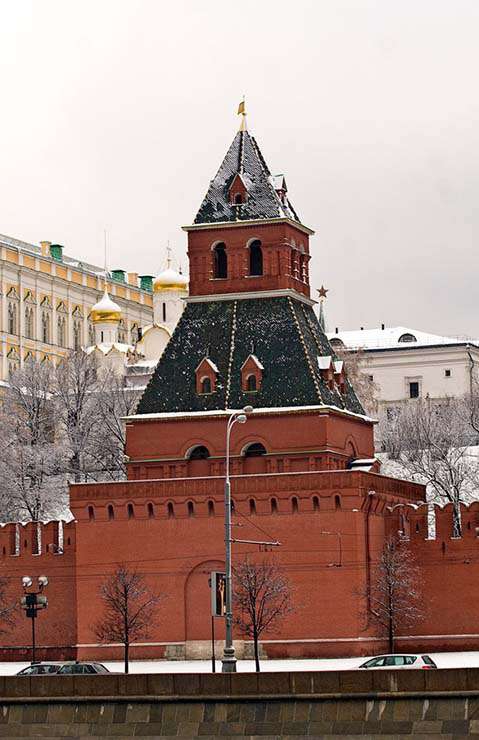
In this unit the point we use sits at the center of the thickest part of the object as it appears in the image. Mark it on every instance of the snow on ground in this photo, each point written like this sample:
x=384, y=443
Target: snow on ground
x=443, y=660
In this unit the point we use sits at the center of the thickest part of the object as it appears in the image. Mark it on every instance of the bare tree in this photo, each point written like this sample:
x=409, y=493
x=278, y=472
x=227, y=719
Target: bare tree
x=31, y=457
x=8, y=607
x=262, y=595
x=130, y=609
x=115, y=401
x=430, y=443
x=76, y=391
x=393, y=596
x=355, y=363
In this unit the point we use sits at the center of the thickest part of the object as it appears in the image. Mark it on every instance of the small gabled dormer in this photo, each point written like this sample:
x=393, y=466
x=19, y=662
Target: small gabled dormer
x=326, y=368
x=206, y=377
x=339, y=375
x=279, y=184
x=238, y=192
x=251, y=374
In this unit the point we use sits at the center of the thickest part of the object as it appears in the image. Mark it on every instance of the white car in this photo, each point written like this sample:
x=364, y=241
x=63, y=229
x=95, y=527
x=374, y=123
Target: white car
x=400, y=661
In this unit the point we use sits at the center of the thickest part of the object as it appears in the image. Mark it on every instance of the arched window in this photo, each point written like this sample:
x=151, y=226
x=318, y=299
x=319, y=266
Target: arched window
x=337, y=501
x=61, y=326
x=199, y=453
x=238, y=199
x=233, y=506
x=91, y=333
x=150, y=510
x=29, y=322
x=211, y=508
x=252, y=506
x=294, y=505
x=111, y=512
x=164, y=311
x=130, y=511
x=206, y=386
x=170, y=510
x=255, y=450
x=274, y=506
x=77, y=327
x=46, y=327
x=91, y=513
x=251, y=383
x=122, y=331
x=255, y=258
x=407, y=338
x=220, y=261
x=336, y=342
x=315, y=503
x=12, y=317
x=190, y=508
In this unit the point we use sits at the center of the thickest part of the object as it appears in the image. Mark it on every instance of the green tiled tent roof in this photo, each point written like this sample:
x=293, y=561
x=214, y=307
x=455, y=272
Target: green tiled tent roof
x=282, y=332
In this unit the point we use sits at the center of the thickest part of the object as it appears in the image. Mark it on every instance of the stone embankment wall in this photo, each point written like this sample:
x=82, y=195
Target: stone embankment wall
x=349, y=704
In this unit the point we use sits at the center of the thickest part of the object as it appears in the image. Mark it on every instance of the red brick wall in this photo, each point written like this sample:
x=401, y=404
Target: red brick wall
x=276, y=240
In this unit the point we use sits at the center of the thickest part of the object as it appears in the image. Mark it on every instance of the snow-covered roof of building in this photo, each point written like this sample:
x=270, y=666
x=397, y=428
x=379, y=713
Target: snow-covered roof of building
x=399, y=337
x=245, y=159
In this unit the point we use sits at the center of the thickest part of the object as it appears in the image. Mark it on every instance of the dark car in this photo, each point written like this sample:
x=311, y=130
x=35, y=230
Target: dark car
x=40, y=669
x=78, y=667
x=74, y=667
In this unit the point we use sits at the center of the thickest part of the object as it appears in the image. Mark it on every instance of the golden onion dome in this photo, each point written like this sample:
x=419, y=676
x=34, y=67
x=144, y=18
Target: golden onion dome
x=169, y=279
x=105, y=310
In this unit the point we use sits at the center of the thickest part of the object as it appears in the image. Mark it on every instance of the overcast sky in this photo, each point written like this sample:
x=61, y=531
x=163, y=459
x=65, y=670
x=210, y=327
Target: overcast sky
x=116, y=114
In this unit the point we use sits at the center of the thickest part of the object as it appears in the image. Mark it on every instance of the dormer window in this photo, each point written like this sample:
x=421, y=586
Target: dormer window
x=206, y=377
x=205, y=385
x=238, y=191
x=251, y=374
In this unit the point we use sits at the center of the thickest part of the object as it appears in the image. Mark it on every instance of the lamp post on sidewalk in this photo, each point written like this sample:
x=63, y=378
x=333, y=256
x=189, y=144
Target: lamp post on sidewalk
x=229, y=660
x=32, y=602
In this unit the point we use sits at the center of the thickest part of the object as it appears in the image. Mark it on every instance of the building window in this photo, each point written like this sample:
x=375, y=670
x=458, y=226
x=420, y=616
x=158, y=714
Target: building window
x=238, y=199
x=447, y=373
x=337, y=502
x=252, y=506
x=255, y=450
x=91, y=333
x=134, y=333
x=91, y=513
x=199, y=453
x=294, y=505
x=414, y=389
x=211, y=508
x=12, y=317
x=255, y=258
x=164, y=311
x=220, y=261
x=130, y=511
x=61, y=331
x=205, y=386
x=190, y=508
x=46, y=327
x=251, y=383
x=121, y=331
x=407, y=338
x=170, y=510
x=77, y=327
x=151, y=510
x=315, y=503
x=274, y=506
x=29, y=322
x=111, y=513
x=371, y=378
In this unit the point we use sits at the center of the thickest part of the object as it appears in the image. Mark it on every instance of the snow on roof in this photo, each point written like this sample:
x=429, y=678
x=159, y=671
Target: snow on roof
x=397, y=336
x=324, y=362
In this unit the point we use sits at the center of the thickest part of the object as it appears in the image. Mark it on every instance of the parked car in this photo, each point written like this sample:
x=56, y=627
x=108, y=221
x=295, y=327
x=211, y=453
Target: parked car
x=71, y=667
x=40, y=669
x=400, y=661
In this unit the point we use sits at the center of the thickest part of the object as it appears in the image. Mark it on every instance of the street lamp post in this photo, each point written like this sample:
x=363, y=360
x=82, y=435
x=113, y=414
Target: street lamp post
x=229, y=660
x=32, y=602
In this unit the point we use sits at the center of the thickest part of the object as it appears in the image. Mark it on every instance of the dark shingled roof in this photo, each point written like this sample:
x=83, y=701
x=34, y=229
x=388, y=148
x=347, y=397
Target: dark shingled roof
x=282, y=332
x=244, y=158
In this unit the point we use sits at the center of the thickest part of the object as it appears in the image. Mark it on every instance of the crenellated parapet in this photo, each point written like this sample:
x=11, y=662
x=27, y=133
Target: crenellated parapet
x=36, y=539
x=430, y=526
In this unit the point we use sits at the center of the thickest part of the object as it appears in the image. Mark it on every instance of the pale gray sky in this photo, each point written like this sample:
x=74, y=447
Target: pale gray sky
x=117, y=113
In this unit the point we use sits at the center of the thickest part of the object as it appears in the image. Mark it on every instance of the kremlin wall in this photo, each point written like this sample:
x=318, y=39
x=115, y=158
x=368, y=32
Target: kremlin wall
x=303, y=470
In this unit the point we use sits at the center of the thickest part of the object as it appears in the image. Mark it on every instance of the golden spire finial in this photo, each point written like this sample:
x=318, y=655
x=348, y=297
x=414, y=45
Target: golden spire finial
x=242, y=113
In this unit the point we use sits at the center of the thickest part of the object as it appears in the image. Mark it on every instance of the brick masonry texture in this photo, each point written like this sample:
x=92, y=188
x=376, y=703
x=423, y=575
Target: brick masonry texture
x=443, y=704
